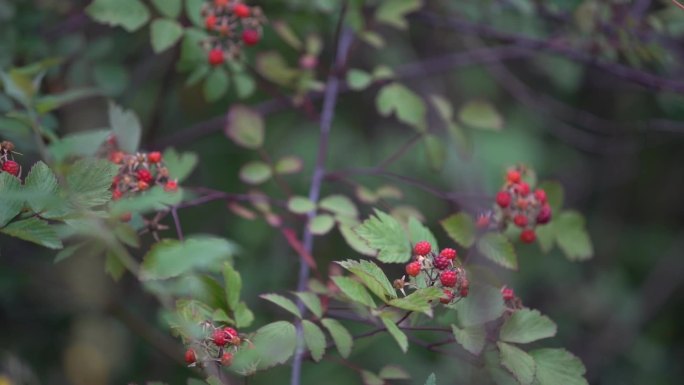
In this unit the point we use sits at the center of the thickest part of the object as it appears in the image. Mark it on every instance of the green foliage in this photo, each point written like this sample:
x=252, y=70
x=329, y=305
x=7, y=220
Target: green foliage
x=10, y=199
x=556, y=366
x=154, y=199
x=497, y=248
x=233, y=282
x=396, y=333
x=572, y=236
x=419, y=301
x=354, y=290
x=435, y=150
x=393, y=12
x=78, y=145
x=216, y=84
x=340, y=335
x=409, y=108
x=481, y=114
x=255, y=172
x=171, y=258
x=339, y=205
x=129, y=14
x=461, y=228
x=164, y=34
x=521, y=364
x=245, y=127
x=273, y=344
x=126, y=127
x=312, y=302
x=472, y=338
x=288, y=165
x=284, y=303
x=358, y=79
x=483, y=304
x=180, y=165
x=384, y=234
x=321, y=224
x=431, y=380
x=168, y=8
x=371, y=276
x=527, y=325
x=315, y=339
x=34, y=230
x=300, y=205
x=418, y=232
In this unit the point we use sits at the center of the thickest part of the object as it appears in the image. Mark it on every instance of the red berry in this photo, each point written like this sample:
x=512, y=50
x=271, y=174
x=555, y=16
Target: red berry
x=440, y=262
x=540, y=195
x=513, y=176
x=413, y=268
x=528, y=236
x=482, y=221
x=216, y=57
x=219, y=337
x=241, y=10
x=422, y=248
x=125, y=217
x=154, y=157
x=251, y=36
x=230, y=332
x=503, y=199
x=507, y=294
x=465, y=288
x=522, y=188
x=448, y=278
x=448, y=296
x=220, y=3
x=544, y=215
x=520, y=220
x=144, y=175
x=11, y=167
x=171, y=186
x=210, y=22
x=116, y=157
x=142, y=185
x=448, y=253
x=308, y=62
x=226, y=359
x=190, y=356
x=116, y=194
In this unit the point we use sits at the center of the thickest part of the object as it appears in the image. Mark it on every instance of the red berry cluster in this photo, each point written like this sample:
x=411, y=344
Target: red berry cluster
x=7, y=163
x=218, y=345
x=510, y=300
x=233, y=24
x=139, y=172
x=441, y=269
x=519, y=205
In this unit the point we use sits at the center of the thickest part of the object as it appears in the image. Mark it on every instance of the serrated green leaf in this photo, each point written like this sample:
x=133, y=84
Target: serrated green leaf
x=358, y=79
x=40, y=187
x=393, y=12
x=340, y=335
x=396, y=333
x=10, y=197
x=170, y=258
x=300, y=205
x=497, y=248
x=385, y=234
x=572, y=236
x=288, y=165
x=85, y=143
x=274, y=67
x=315, y=339
x=47, y=103
x=481, y=114
x=193, y=10
x=472, y=338
x=518, y=362
x=418, y=232
x=558, y=366
x=273, y=344
x=355, y=242
x=546, y=236
x=527, y=325
x=370, y=378
x=339, y=205
x=393, y=372
x=113, y=266
x=283, y=302
x=555, y=194
x=354, y=290
x=321, y=224
x=68, y=252
x=373, y=38
x=461, y=228
x=164, y=33
x=245, y=127
x=126, y=235
x=129, y=14
x=243, y=316
x=435, y=151
x=312, y=302
x=168, y=8
x=244, y=85
x=400, y=100
x=287, y=34
x=255, y=172
x=483, y=304
x=372, y=276
x=126, y=128
x=233, y=285
x=216, y=84
x=89, y=181
x=180, y=165
x=419, y=300
x=34, y=230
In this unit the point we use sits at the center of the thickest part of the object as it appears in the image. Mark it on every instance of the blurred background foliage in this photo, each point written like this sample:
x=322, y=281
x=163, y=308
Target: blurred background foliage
x=567, y=108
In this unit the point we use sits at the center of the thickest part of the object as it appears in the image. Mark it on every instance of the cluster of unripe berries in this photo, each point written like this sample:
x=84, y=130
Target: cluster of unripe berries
x=232, y=24
x=7, y=163
x=441, y=269
x=139, y=172
x=219, y=345
x=518, y=204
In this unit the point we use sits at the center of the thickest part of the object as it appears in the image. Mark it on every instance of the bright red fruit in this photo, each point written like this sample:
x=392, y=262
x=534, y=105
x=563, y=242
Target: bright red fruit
x=440, y=262
x=171, y=186
x=241, y=10
x=540, y=195
x=154, y=157
x=226, y=359
x=210, y=22
x=528, y=236
x=216, y=57
x=520, y=220
x=448, y=278
x=448, y=253
x=448, y=296
x=230, y=332
x=523, y=188
x=513, y=176
x=250, y=36
x=116, y=194
x=219, y=337
x=144, y=175
x=465, y=288
x=11, y=167
x=507, y=294
x=503, y=199
x=482, y=221
x=413, y=269
x=422, y=248
x=190, y=356
x=544, y=215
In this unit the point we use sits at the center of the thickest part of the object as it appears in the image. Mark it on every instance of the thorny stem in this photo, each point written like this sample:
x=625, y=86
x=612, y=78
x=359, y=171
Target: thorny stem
x=343, y=41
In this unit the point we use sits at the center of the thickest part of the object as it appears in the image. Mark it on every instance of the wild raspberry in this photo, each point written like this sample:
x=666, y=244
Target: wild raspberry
x=216, y=57
x=482, y=221
x=522, y=203
x=116, y=194
x=520, y=220
x=226, y=359
x=241, y=10
x=540, y=195
x=440, y=262
x=448, y=296
x=522, y=188
x=219, y=337
x=503, y=199
x=544, y=215
x=448, y=278
x=422, y=248
x=507, y=294
x=190, y=356
x=11, y=167
x=465, y=288
x=230, y=332
x=144, y=175
x=116, y=157
x=125, y=217
x=210, y=22
x=528, y=236
x=142, y=185
x=154, y=157
x=413, y=269
x=171, y=186
x=448, y=253
x=513, y=176
x=250, y=36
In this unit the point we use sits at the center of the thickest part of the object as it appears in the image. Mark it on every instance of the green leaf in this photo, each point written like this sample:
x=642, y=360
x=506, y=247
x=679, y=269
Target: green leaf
x=273, y=344
x=34, y=230
x=171, y=258
x=48, y=103
x=113, y=266
x=546, y=236
x=288, y=165
x=126, y=128
x=408, y=107
x=419, y=300
x=89, y=181
x=315, y=339
x=572, y=236
x=287, y=34
x=68, y=252
x=355, y=242
x=243, y=316
x=373, y=38
x=164, y=33
x=193, y=9
x=558, y=366
x=312, y=302
x=435, y=150
x=321, y=224
x=244, y=85
x=396, y=333
x=354, y=290
x=519, y=363
x=393, y=12
x=392, y=372
x=233, y=284
x=358, y=79
x=192, y=55
x=418, y=232
x=300, y=205
x=431, y=380
x=555, y=194
x=255, y=172
x=80, y=144
x=461, y=228
x=216, y=84
x=385, y=234
x=340, y=335
x=472, y=338
x=527, y=325
x=283, y=302
x=10, y=197
x=274, y=67
x=154, y=199
x=497, y=248
x=339, y=205
x=483, y=304
x=370, y=378
x=168, y=8
x=40, y=187
x=481, y=114
x=180, y=165
x=112, y=79
x=372, y=276
x=129, y=14
x=245, y=127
